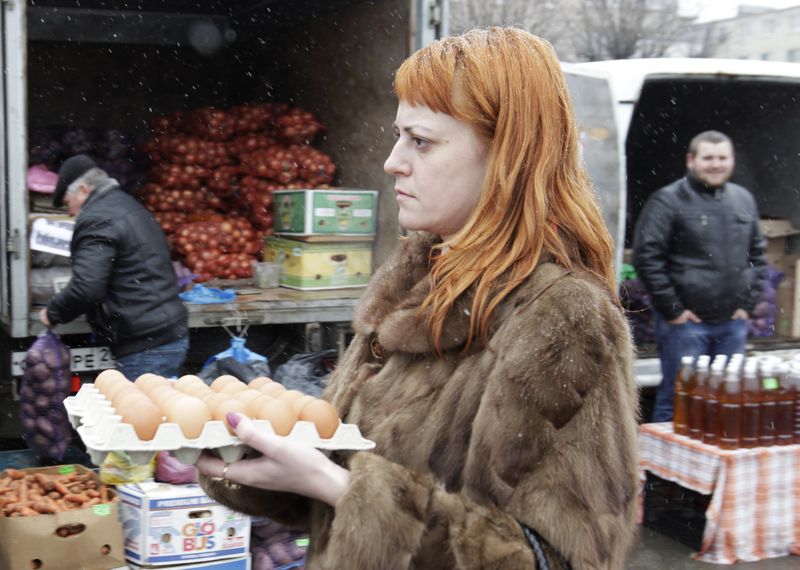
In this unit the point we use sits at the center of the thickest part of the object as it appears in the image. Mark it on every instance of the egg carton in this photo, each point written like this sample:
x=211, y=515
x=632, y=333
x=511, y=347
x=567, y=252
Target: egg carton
x=103, y=431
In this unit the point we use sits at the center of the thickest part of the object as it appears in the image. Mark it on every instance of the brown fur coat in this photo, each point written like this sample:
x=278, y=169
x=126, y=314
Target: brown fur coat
x=541, y=428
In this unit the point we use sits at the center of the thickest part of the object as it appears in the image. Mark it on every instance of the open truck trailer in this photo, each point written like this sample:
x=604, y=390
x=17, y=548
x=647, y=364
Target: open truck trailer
x=114, y=64
x=637, y=118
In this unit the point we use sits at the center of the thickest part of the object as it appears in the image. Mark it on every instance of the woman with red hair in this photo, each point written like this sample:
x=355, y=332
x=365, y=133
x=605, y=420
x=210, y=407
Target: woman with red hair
x=491, y=365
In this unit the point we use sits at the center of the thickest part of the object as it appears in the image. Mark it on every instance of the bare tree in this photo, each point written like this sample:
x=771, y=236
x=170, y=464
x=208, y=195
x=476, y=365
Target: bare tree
x=621, y=29
x=541, y=17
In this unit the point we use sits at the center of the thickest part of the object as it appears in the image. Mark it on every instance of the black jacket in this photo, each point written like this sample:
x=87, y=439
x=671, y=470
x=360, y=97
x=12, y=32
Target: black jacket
x=122, y=275
x=701, y=249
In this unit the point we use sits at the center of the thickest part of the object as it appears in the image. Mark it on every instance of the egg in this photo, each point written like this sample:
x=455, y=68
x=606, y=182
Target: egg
x=108, y=378
x=258, y=381
x=148, y=381
x=231, y=405
x=298, y=404
x=125, y=395
x=216, y=399
x=118, y=386
x=190, y=413
x=248, y=395
x=323, y=415
x=222, y=381
x=198, y=390
x=144, y=416
x=188, y=380
x=290, y=396
x=274, y=389
x=252, y=407
x=279, y=414
x=233, y=388
x=163, y=396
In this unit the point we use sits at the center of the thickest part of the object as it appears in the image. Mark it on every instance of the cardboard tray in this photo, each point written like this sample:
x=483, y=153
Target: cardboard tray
x=102, y=432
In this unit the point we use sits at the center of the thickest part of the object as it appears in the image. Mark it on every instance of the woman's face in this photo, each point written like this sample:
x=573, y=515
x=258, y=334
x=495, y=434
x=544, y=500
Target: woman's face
x=438, y=164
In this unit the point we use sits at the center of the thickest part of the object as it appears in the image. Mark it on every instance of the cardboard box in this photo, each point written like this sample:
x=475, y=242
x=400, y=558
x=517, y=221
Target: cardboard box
x=787, y=300
x=242, y=563
x=776, y=232
x=176, y=524
x=94, y=542
x=326, y=212
x=320, y=265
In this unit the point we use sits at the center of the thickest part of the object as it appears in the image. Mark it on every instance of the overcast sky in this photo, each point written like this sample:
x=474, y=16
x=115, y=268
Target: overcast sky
x=721, y=9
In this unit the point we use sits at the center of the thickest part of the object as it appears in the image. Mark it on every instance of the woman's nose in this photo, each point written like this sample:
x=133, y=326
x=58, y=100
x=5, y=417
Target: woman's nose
x=395, y=165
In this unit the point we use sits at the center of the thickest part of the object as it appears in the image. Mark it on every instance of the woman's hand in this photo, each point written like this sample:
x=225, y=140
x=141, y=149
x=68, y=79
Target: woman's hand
x=284, y=465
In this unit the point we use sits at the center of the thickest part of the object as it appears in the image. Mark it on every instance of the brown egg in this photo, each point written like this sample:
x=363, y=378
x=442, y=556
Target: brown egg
x=118, y=386
x=290, y=396
x=216, y=399
x=148, y=381
x=144, y=416
x=258, y=381
x=190, y=413
x=108, y=378
x=247, y=396
x=274, y=389
x=298, y=404
x=125, y=395
x=222, y=381
x=253, y=406
x=187, y=380
x=233, y=388
x=279, y=414
x=198, y=390
x=323, y=415
x=163, y=396
x=232, y=405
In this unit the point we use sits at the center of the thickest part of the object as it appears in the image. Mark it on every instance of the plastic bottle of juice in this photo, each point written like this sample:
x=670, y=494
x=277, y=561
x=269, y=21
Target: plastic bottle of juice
x=697, y=400
x=751, y=405
x=684, y=384
x=730, y=409
x=711, y=425
x=784, y=407
x=794, y=378
x=768, y=402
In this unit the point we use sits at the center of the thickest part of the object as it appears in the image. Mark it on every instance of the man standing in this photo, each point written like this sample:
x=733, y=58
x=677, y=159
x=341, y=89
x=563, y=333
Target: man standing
x=699, y=250
x=122, y=275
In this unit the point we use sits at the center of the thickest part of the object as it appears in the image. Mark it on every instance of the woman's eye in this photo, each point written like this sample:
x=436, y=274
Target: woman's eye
x=418, y=142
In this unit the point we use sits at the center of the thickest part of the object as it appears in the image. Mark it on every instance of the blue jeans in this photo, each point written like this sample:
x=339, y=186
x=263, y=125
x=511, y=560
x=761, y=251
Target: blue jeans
x=165, y=360
x=690, y=339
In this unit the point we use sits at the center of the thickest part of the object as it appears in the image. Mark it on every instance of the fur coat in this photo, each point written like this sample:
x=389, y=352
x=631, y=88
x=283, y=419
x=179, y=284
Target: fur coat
x=540, y=427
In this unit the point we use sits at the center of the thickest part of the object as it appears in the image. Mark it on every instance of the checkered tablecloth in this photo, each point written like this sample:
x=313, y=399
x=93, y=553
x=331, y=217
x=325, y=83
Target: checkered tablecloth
x=754, y=512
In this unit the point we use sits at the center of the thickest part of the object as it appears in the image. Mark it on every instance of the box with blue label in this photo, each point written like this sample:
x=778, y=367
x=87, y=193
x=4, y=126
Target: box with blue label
x=176, y=524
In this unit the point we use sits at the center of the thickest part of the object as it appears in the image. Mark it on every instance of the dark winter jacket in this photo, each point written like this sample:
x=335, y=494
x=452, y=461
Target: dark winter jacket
x=701, y=249
x=539, y=428
x=122, y=275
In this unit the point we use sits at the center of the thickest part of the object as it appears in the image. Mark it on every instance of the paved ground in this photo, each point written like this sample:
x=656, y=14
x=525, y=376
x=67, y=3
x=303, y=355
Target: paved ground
x=658, y=552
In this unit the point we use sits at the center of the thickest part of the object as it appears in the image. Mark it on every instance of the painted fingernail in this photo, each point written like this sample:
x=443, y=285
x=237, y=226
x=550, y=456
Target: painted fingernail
x=233, y=419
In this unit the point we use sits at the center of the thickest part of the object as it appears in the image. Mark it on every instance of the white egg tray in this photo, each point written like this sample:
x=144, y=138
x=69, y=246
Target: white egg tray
x=102, y=432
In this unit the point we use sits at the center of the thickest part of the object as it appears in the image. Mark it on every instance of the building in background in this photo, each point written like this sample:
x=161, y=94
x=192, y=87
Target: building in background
x=755, y=32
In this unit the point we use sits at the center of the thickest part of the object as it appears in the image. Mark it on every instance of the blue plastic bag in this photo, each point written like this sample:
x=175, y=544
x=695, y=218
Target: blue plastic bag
x=202, y=295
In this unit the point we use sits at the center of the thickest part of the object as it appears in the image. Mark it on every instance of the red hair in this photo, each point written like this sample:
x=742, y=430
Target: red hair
x=508, y=85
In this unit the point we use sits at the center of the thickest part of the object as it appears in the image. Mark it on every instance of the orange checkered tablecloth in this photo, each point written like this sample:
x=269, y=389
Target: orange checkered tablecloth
x=754, y=512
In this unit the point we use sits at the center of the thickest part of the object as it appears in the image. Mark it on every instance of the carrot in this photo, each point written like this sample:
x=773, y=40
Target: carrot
x=76, y=497
x=104, y=493
x=23, y=490
x=59, y=486
x=91, y=502
x=14, y=473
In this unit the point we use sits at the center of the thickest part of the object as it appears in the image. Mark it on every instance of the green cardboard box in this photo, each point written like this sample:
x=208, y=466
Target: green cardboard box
x=341, y=211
